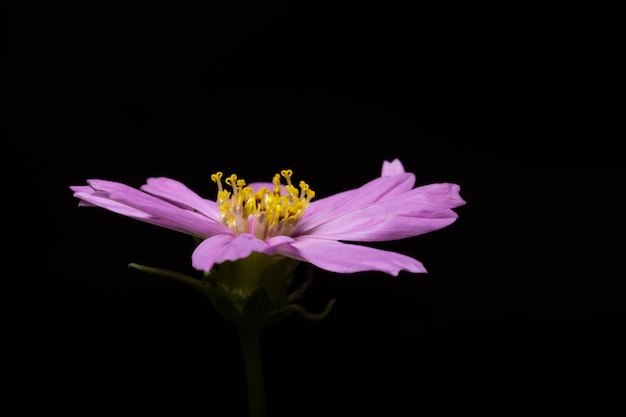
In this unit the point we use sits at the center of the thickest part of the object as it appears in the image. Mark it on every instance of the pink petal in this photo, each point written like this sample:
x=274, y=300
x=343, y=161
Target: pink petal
x=90, y=197
x=93, y=200
x=179, y=194
x=380, y=189
x=230, y=247
x=347, y=258
x=81, y=188
x=392, y=168
x=381, y=228
x=444, y=194
x=421, y=210
x=137, y=204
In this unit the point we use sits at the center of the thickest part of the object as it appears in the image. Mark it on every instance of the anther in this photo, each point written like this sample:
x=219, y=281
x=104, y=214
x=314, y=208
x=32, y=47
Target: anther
x=287, y=173
x=217, y=178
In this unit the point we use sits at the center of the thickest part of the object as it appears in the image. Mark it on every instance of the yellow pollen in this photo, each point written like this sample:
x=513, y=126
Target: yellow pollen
x=217, y=178
x=287, y=173
x=264, y=213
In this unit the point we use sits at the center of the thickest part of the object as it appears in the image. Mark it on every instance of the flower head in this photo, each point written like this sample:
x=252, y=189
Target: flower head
x=285, y=221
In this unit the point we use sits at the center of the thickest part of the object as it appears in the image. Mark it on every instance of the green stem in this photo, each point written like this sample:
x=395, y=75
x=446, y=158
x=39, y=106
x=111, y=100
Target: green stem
x=250, y=344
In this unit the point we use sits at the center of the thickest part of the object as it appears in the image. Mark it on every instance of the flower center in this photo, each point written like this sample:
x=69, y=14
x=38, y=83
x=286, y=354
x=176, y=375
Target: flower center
x=264, y=213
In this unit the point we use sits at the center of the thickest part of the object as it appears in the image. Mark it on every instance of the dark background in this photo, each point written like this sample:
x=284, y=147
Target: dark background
x=519, y=102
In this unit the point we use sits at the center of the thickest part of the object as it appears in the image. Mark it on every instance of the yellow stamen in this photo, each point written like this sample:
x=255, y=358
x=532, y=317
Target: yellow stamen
x=217, y=178
x=267, y=213
x=287, y=173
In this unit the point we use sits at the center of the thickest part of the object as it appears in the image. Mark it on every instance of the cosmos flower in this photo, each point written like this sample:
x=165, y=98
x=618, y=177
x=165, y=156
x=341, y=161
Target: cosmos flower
x=282, y=220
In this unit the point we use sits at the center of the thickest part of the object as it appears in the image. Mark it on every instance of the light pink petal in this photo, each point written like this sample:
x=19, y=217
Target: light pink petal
x=137, y=204
x=347, y=258
x=279, y=240
x=81, y=188
x=444, y=194
x=179, y=194
x=230, y=247
x=90, y=197
x=191, y=222
x=381, y=228
x=380, y=189
x=392, y=168
x=85, y=193
x=93, y=200
x=421, y=210
x=209, y=251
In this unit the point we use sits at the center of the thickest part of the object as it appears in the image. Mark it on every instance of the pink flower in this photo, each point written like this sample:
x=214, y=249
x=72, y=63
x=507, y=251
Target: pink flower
x=284, y=220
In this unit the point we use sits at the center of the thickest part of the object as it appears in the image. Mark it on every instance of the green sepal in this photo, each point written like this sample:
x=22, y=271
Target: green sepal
x=169, y=274
x=257, y=305
x=265, y=303
x=298, y=293
x=223, y=305
x=221, y=302
x=298, y=309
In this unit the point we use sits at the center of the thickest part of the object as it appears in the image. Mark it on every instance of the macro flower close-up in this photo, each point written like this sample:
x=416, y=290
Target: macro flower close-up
x=253, y=236
x=389, y=209
x=374, y=208
x=285, y=220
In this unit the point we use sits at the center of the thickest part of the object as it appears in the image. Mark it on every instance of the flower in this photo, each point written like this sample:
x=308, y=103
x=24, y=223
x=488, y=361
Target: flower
x=285, y=221
x=254, y=235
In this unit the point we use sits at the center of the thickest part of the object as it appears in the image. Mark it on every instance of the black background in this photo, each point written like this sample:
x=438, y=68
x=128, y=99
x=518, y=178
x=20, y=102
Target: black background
x=519, y=102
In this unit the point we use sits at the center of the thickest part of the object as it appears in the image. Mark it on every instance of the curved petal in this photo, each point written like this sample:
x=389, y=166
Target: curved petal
x=230, y=247
x=392, y=168
x=421, y=210
x=444, y=194
x=137, y=204
x=90, y=198
x=178, y=193
x=346, y=258
x=380, y=189
x=381, y=228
